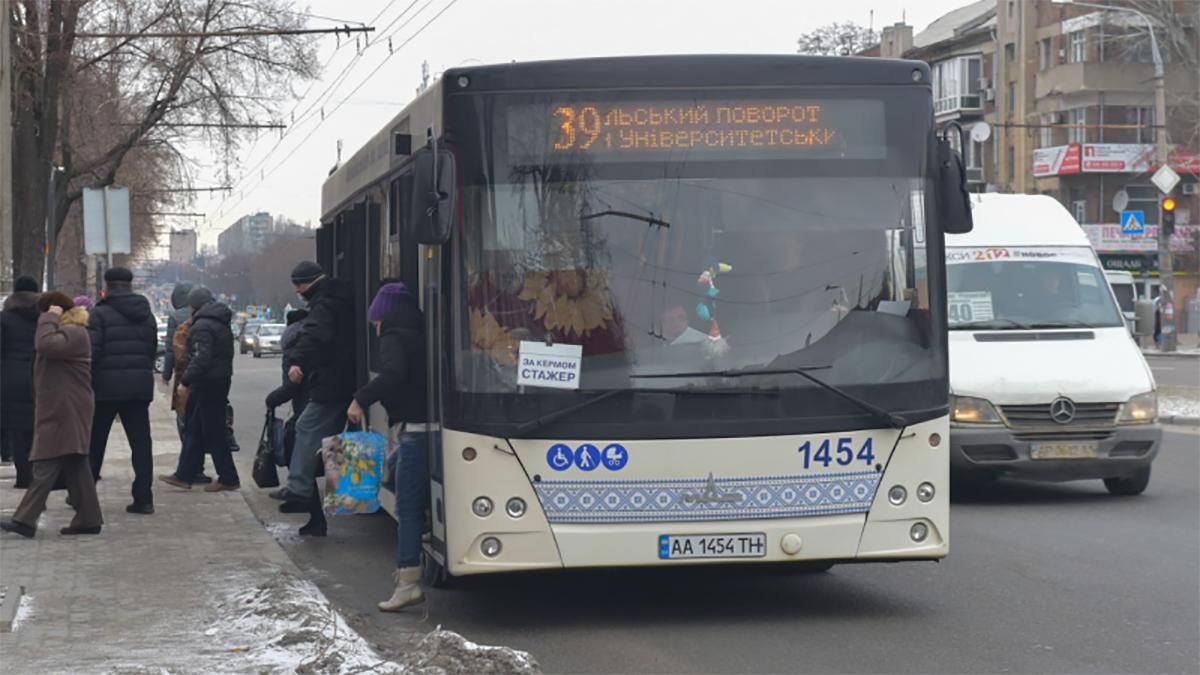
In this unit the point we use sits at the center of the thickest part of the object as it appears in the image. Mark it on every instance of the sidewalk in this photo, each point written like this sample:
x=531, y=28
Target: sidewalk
x=1188, y=346
x=200, y=586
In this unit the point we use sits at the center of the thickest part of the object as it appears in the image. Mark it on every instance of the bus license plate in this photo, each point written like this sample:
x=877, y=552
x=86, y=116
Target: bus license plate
x=1063, y=451
x=684, y=546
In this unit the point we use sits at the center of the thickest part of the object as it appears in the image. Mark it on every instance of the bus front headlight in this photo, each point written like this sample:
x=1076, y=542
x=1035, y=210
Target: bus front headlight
x=972, y=410
x=1140, y=409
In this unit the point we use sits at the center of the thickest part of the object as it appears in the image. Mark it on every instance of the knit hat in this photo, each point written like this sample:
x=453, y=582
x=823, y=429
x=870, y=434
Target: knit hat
x=306, y=272
x=54, y=299
x=199, y=297
x=26, y=283
x=84, y=302
x=387, y=300
x=119, y=275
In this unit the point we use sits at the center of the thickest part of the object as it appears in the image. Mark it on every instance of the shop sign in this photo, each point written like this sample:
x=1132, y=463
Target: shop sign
x=1108, y=238
x=1074, y=158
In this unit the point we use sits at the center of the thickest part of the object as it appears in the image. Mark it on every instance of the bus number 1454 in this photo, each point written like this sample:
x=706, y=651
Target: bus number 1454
x=841, y=451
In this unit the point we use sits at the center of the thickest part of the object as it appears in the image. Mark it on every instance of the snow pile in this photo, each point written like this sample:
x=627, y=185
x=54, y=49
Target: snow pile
x=443, y=652
x=1178, y=406
x=287, y=626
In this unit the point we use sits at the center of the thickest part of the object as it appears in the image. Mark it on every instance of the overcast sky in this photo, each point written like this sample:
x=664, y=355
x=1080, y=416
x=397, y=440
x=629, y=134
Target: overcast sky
x=284, y=177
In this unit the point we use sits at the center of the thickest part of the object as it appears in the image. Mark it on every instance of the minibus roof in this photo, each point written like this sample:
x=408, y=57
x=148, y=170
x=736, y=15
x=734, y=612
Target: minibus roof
x=1019, y=220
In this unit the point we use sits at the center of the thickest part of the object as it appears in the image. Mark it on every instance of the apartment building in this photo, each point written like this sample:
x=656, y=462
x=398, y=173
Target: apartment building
x=249, y=235
x=1067, y=95
x=183, y=247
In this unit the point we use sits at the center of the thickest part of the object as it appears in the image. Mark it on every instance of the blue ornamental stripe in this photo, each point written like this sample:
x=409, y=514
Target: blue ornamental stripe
x=692, y=499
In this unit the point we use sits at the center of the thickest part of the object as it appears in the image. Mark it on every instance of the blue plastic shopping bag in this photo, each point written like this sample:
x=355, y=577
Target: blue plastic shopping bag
x=354, y=465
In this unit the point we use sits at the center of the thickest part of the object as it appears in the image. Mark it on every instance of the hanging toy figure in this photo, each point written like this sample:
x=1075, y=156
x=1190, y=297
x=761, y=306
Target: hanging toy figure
x=715, y=345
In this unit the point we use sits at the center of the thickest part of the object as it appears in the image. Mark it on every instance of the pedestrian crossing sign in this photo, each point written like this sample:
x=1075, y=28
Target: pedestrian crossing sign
x=1133, y=222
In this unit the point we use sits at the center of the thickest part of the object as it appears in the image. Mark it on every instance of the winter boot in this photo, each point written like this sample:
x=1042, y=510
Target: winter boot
x=316, y=526
x=408, y=590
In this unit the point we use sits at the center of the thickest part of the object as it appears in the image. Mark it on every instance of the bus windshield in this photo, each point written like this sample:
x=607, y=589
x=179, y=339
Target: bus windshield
x=657, y=260
x=1062, y=288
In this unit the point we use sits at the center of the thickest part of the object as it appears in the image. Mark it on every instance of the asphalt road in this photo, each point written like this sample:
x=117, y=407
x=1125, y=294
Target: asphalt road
x=1175, y=371
x=1041, y=578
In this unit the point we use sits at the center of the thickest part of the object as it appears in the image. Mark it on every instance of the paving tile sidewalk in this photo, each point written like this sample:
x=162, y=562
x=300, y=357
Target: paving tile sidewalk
x=156, y=592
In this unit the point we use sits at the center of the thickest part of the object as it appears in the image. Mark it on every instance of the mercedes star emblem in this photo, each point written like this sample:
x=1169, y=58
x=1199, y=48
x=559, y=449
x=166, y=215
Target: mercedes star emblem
x=1062, y=410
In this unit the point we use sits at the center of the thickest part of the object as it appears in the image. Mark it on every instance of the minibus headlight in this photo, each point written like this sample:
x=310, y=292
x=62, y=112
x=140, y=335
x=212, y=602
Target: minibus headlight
x=972, y=411
x=1140, y=409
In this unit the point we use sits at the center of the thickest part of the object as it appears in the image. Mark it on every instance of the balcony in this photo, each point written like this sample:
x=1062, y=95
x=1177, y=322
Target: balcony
x=958, y=105
x=1069, y=78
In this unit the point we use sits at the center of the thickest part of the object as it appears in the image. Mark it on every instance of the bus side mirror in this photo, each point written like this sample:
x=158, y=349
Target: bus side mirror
x=954, y=202
x=433, y=195
x=1143, y=323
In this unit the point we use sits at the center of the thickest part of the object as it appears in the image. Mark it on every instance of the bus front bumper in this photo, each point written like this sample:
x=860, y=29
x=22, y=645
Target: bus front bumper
x=1053, y=456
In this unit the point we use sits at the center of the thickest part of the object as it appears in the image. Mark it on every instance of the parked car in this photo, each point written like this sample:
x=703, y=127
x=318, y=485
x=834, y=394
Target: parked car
x=160, y=357
x=249, y=330
x=1126, y=293
x=266, y=339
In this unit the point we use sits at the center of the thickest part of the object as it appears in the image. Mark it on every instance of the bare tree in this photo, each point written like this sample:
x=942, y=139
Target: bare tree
x=175, y=63
x=837, y=39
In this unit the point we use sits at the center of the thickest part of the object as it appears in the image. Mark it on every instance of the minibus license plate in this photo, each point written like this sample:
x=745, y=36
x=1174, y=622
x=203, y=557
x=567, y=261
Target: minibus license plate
x=1063, y=450
x=683, y=546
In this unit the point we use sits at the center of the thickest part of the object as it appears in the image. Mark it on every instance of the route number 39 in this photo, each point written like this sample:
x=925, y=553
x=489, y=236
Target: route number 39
x=842, y=452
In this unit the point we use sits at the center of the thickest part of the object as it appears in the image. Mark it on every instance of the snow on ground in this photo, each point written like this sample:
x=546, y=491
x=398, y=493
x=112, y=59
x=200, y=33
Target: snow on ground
x=1178, y=406
x=286, y=625
x=24, y=612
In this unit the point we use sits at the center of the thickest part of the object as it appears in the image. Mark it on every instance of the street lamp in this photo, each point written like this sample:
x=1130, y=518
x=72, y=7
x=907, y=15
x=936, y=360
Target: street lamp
x=1166, y=279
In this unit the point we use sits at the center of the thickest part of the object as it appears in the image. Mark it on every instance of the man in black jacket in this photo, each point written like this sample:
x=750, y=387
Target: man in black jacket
x=324, y=358
x=124, y=342
x=206, y=382
x=18, y=323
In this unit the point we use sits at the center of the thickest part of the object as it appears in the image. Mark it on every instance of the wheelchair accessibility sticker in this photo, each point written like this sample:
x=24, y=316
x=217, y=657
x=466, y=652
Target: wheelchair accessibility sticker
x=587, y=457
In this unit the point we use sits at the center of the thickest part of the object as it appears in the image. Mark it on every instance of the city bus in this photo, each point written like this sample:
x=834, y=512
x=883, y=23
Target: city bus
x=680, y=309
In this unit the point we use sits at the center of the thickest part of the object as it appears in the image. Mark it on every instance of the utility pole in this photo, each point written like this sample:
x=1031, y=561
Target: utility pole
x=6, y=152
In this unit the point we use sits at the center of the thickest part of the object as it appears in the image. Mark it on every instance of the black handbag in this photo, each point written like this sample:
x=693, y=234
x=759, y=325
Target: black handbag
x=264, y=472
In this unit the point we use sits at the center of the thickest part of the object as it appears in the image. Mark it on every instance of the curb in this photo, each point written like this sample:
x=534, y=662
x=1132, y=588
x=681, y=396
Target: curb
x=1172, y=355
x=1180, y=419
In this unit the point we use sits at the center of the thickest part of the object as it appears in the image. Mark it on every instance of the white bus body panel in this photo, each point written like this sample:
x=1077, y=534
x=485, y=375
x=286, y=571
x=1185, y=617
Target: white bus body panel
x=597, y=523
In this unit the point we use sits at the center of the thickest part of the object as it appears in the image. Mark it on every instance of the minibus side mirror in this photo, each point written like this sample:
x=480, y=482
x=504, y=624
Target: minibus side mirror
x=954, y=202
x=432, y=195
x=1144, y=321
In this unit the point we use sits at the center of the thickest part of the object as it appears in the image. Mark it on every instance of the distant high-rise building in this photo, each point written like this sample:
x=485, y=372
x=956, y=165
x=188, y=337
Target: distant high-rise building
x=249, y=235
x=183, y=246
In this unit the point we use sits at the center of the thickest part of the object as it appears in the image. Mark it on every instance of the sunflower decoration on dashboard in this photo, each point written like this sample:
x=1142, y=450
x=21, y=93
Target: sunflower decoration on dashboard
x=575, y=302
x=488, y=336
x=715, y=345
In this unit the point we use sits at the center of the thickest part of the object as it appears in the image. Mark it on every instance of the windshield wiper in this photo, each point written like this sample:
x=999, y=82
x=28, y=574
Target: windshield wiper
x=650, y=220
x=1062, y=324
x=991, y=324
x=889, y=418
x=551, y=417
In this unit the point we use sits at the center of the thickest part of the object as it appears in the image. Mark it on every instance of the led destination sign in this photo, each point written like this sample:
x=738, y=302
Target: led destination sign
x=727, y=129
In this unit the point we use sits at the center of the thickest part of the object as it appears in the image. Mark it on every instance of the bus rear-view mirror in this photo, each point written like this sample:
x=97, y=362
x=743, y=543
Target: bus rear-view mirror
x=433, y=195
x=954, y=202
x=1143, y=324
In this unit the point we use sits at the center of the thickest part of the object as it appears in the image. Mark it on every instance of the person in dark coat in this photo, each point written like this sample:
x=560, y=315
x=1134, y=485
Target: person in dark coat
x=400, y=387
x=62, y=385
x=124, y=344
x=206, y=383
x=18, y=323
x=288, y=390
x=325, y=359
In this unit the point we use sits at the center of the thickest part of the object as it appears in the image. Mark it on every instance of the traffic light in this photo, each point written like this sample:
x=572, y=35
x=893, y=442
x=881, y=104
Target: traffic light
x=1168, y=214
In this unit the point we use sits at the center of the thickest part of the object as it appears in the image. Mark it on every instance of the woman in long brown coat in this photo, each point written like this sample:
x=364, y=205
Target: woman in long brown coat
x=63, y=407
